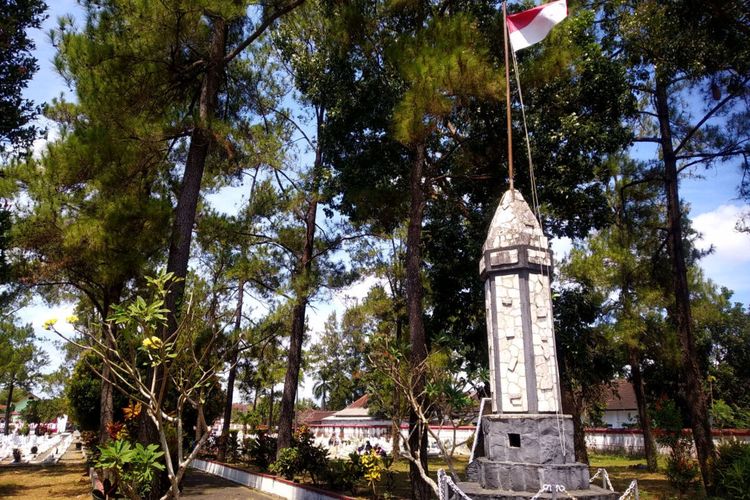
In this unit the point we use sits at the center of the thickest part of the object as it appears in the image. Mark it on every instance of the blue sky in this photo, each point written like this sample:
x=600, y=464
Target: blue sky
x=715, y=208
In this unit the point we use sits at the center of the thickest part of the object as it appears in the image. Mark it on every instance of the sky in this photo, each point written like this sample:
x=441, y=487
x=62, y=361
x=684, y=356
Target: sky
x=711, y=194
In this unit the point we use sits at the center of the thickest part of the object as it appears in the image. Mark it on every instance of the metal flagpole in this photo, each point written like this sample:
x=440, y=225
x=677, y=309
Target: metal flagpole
x=507, y=96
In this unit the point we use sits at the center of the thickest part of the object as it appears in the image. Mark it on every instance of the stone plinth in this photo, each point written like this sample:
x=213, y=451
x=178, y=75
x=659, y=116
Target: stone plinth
x=542, y=439
x=523, y=452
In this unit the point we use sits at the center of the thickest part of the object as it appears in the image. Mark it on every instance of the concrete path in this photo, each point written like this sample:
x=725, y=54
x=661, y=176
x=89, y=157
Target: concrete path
x=198, y=484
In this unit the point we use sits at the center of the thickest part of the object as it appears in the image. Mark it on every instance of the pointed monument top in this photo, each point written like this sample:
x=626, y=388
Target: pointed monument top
x=514, y=224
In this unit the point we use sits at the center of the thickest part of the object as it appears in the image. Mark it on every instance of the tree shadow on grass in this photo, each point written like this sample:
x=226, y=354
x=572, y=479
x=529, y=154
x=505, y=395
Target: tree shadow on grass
x=37, y=481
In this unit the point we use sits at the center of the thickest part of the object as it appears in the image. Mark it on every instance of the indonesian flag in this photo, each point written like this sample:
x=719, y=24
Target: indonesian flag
x=531, y=26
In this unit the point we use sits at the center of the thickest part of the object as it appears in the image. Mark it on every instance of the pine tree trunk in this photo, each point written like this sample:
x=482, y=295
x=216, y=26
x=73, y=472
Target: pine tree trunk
x=291, y=379
x=200, y=143
x=649, y=444
x=9, y=402
x=418, y=342
x=694, y=393
x=232, y=375
x=270, y=409
x=573, y=404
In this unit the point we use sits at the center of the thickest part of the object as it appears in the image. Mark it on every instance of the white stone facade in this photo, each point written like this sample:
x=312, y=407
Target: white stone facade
x=516, y=264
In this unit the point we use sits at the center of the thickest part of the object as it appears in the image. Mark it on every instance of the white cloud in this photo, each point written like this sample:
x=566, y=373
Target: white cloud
x=729, y=264
x=718, y=228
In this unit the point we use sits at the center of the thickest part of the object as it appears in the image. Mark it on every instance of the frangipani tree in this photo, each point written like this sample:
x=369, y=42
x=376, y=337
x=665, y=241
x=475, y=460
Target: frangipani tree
x=187, y=367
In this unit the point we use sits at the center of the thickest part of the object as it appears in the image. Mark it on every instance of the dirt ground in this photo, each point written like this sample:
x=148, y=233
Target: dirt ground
x=35, y=482
x=68, y=479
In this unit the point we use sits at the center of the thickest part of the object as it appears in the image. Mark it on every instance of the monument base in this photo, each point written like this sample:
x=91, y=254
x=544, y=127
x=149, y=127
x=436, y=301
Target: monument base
x=530, y=477
x=476, y=492
x=520, y=453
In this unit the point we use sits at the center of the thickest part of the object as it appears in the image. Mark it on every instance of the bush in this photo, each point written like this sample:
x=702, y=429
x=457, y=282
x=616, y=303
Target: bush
x=288, y=463
x=306, y=458
x=261, y=451
x=343, y=475
x=733, y=471
x=682, y=470
x=313, y=458
x=133, y=468
x=232, y=446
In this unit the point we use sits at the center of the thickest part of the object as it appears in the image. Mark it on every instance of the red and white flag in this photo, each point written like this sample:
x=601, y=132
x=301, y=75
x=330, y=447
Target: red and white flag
x=531, y=26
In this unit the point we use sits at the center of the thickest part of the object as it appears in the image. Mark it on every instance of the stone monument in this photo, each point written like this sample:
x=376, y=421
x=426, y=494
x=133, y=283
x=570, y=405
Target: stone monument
x=526, y=442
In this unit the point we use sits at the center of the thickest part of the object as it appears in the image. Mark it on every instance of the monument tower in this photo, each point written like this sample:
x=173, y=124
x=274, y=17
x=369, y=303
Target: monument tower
x=527, y=442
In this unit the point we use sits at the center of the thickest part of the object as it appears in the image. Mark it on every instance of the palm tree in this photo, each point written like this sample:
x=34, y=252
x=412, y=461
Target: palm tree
x=321, y=389
x=246, y=418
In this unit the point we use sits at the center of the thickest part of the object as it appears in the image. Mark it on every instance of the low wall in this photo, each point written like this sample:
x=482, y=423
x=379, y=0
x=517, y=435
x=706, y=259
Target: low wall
x=631, y=440
x=361, y=432
x=266, y=483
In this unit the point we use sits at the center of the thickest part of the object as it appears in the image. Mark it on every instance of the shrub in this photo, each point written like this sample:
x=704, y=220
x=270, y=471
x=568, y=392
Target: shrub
x=287, y=465
x=343, y=475
x=682, y=469
x=232, y=446
x=260, y=450
x=133, y=468
x=313, y=458
x=733, y=471
x=306, y=458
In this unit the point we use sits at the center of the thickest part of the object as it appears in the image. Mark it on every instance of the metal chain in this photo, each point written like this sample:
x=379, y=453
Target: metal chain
x=546, y=488
x=561, y=489
x=445, y=482
x=631, y=492
x=605, y=475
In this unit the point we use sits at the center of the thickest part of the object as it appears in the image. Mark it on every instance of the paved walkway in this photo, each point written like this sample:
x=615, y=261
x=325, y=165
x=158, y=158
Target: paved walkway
x=198, y=484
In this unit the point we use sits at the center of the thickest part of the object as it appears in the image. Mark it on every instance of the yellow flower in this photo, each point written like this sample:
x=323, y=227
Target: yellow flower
x=152, y=342
x=72, y=319
x=49, y=324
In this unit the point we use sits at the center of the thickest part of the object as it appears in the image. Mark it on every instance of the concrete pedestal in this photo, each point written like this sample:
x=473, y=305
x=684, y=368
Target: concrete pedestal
x=523, y=452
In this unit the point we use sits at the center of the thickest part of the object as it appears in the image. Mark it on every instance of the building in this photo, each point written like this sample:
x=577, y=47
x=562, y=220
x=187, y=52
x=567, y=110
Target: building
x=621, y=407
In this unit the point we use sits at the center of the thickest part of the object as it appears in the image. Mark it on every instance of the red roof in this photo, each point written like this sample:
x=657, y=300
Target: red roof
x=312, y=417
x=621, y=396
x=360, y=403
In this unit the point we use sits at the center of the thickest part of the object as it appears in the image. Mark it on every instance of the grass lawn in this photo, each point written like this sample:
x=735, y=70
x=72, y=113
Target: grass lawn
x=38, y=482
x=622, y=470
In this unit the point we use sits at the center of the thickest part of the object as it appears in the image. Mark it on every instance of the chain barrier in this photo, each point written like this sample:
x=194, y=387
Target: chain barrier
x=606, y=483
x=550, y=488
x=546, y=488
x=631, y=492
x=446, y=486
